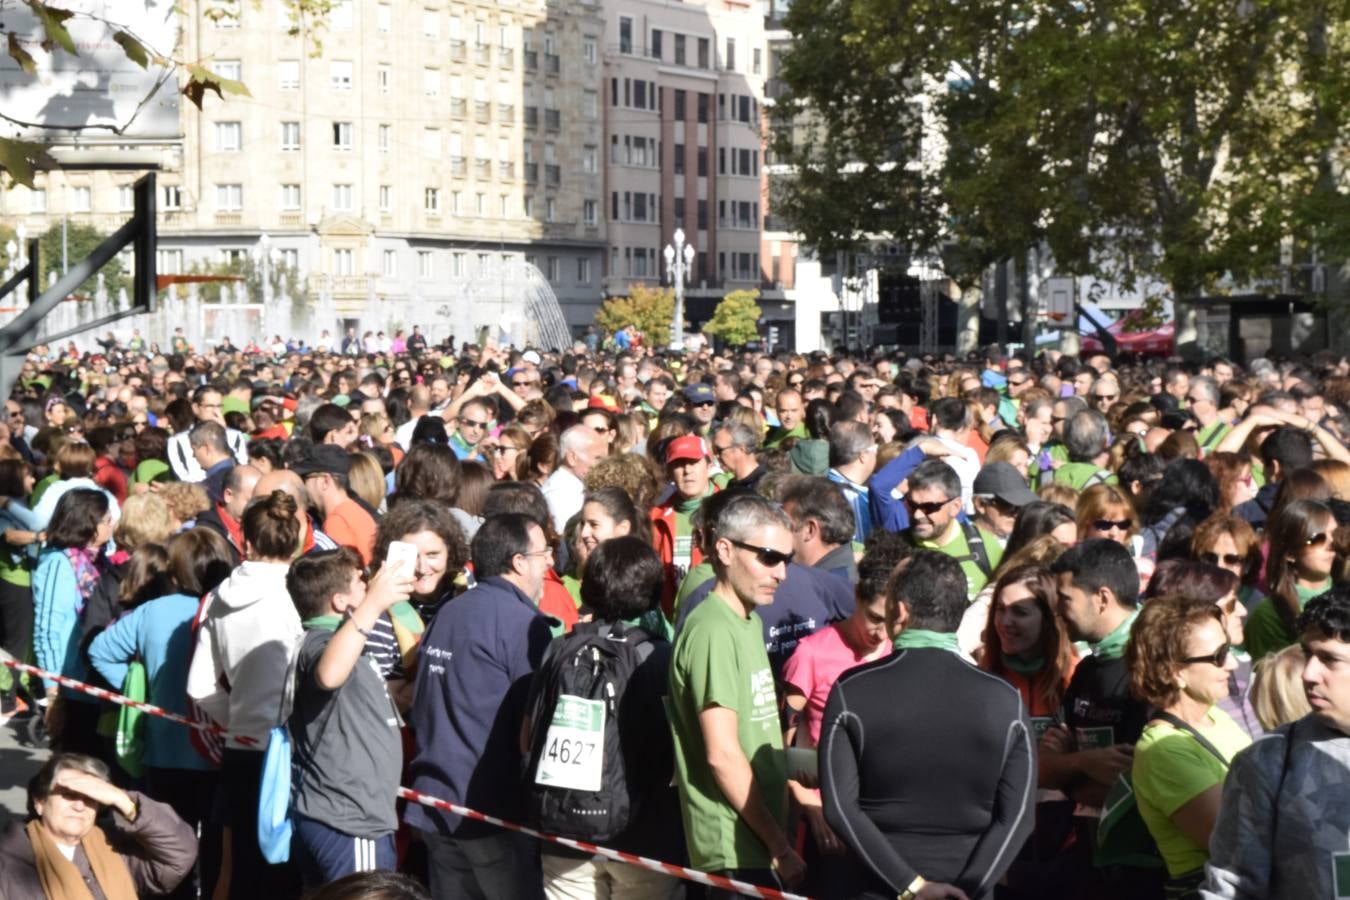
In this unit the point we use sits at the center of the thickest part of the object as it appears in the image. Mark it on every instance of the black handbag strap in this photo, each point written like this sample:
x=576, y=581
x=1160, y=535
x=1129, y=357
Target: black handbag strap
x=1177, y=722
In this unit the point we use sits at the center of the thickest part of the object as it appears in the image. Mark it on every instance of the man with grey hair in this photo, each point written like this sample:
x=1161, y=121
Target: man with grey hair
x=735, y=446
x=1085, y=437
x=853, y=459
x=729, y=761
x=212, y=453
x=822, y=525
x=579, y=449
x=933, y=502
x=1202, y=402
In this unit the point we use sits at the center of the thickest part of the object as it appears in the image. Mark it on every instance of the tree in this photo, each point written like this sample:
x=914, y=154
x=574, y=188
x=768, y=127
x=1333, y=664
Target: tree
x=648, y=309
x=80, y=241
x=735, y=321
x=1183, y=141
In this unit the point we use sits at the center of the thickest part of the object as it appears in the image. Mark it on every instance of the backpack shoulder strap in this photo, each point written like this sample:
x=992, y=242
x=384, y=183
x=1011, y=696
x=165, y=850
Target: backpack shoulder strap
x=1098, y=477
x=1178, y=722
x=977, y=552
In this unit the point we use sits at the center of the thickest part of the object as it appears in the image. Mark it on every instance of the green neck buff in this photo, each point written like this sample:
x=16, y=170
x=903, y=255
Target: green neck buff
x=918, y=638
x=1113, y=645
x=1023, y=667
x=327, y=623
x=687, y=507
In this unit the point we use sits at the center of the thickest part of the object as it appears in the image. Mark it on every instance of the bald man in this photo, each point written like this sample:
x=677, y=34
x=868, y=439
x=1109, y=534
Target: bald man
x=226, y=517
x=311, y=538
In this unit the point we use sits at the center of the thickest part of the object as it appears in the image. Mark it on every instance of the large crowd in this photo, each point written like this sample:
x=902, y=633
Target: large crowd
x=861, y=625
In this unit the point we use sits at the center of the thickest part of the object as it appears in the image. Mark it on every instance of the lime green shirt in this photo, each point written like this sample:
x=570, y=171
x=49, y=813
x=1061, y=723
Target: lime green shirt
x=693, y=579
x=1077, y=475
x=1265, y=631
x=1170, y=770
x=959, y=548
x=719, y=660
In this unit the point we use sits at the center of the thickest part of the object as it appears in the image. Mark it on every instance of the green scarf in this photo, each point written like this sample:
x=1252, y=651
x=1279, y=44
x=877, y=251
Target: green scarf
x=327, y=623
x=1113, y=645
x=918, y=638
x=1024, y=668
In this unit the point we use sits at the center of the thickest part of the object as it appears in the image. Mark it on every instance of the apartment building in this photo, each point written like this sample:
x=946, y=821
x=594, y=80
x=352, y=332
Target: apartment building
x=684, y=139
x=425, y=149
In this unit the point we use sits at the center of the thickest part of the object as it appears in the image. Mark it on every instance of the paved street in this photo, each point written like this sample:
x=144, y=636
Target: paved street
x=18, y=761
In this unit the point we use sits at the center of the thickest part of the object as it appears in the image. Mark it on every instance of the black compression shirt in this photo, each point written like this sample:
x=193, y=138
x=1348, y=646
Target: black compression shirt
x=927, y=768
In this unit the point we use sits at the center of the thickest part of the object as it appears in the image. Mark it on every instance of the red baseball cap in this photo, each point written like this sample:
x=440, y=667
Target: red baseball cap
x=689, y=446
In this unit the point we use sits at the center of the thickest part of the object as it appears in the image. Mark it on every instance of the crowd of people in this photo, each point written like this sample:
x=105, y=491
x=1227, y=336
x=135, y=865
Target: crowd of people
x=862, y=625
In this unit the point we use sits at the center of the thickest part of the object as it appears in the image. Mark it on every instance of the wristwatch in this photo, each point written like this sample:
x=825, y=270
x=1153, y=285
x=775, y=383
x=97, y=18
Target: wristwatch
x=912, y=891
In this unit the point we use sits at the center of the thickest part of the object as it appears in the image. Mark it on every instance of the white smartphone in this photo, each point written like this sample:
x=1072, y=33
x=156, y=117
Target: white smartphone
x=402, y=553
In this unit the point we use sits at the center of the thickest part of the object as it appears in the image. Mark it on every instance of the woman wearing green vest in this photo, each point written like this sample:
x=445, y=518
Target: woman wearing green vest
x=1302, y=558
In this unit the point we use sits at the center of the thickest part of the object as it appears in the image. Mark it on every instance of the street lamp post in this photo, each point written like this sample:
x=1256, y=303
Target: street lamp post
x=679, y=266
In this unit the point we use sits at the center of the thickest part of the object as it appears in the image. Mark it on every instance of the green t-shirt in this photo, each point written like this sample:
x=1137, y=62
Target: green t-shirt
x=41, y=488
x=1265, y=631
x=959, y=548
x=1210, y=436
x=1170, y=770
x=1081, y=475
x=719, y=660
x=692, y=580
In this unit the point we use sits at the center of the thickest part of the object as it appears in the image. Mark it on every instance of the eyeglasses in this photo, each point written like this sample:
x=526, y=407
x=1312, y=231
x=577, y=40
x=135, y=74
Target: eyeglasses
x=1110, y=398
x=1217, y=658
x=1012, y=383
x=765, y=556
x=1318, y=539
x=702, y=403
x=472, y=423
x=718, y=451
x=503, y=449
x=1222, y=559
x=928, y=509
x=1108, y=524
x=546, y=553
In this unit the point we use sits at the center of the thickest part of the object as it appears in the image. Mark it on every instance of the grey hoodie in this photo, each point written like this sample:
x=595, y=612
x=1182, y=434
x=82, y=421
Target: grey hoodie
x=1284, y=818
x=243, y=651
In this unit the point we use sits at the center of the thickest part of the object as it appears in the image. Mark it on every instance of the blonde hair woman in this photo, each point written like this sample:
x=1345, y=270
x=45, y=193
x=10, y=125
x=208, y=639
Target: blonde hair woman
x=1277, y=688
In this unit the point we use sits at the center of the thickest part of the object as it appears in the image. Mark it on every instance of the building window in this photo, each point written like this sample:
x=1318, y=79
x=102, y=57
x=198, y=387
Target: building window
x=730, y=60
x=389, y=264
x=504, y=205
x=679, y=49
x=431, y=23
x=529, y=206
x=342, y=135
x=290, y=258
x=228, y=68
x=173, y=197
x=385, y=137
x=424, y=268
x=82, y=201
x=340, y=75
x=756, y=61
x=550, y=210
x=480, y=205
x=229, y=197
x=679, y=105
x=288, y=74
x=386, y=198
x=431, y=82
x=126, y=197
x=342, y=197
x=583, y=270
x=484, y=264
x=290, y=197
x=456, y=265
x=431, y=200
x=679, y=159
x=590, y=104
x=702, y=162
x=341, y=16
x=431, y=143
x=553, y=269
x=344, y=261
x=590, y=160
x=456, y=203
x=383, y=77
x=590, y=51
x=290, y=136
x=703, y=48
x=384, y=17
x=169, y=262
x=703, y=108
x=656, y=44
x=588, y=212
x=228, y=136
x=625, y=34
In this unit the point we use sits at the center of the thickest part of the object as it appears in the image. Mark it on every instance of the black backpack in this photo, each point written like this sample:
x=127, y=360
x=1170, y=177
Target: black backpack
x=577, y=773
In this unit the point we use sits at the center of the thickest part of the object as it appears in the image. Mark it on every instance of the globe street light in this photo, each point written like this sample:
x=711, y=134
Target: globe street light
x=679, y=266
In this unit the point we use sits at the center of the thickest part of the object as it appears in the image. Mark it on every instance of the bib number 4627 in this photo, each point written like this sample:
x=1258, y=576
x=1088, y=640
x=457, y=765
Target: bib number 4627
x=574, y=748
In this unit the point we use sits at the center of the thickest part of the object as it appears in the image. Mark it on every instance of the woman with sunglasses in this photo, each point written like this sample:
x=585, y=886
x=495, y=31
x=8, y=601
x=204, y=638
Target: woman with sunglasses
x=1228, y=542
x=1302, y=558
x=512, y=442
x=1179, y=660
x=1104, y=511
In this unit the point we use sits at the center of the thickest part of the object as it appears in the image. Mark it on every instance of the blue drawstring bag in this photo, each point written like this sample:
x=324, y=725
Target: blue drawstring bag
x=274, y=797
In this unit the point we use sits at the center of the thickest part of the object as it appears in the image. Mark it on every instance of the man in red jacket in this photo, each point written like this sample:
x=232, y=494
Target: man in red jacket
x=689, y=467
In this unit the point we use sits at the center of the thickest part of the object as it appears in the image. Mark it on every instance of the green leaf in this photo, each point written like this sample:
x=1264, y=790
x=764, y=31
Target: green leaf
x=53, y=20
x=21, y=158
x=133, y=48
x=20, y=55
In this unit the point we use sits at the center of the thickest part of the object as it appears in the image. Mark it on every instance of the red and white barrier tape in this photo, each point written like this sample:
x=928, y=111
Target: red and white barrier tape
x=718, y=881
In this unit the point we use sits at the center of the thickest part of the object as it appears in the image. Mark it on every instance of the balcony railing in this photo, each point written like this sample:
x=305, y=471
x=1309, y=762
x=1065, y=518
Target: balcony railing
x=457, y=50
x=458, y=166
x=505, y=111
x=482, y=112
x=552, y=119
x=531, y=172
x=291, y=220
x=506, y=170
x=531, y=117
x=229, y=218
x=458, y=106
x=506, y=57
x=552, y=63
x=482, y=54
x=553, y=174
x=531, y=58
x=482, y=168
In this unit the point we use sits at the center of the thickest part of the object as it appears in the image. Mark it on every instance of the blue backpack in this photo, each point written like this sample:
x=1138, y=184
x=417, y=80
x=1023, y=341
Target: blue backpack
x=275, y=826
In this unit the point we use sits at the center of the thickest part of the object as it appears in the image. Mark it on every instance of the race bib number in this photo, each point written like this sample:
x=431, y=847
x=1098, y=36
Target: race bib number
x=574, y=748
x=1095, y=738
x=1340, y=874
x=1040, y=725
x=684, y=554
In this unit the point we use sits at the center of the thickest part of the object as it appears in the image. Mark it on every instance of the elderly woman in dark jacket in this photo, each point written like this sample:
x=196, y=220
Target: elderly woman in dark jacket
x=61, y=854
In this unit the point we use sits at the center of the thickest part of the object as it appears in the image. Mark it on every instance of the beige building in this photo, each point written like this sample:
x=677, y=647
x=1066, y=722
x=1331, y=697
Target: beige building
x=685, y=144
x=426, y=149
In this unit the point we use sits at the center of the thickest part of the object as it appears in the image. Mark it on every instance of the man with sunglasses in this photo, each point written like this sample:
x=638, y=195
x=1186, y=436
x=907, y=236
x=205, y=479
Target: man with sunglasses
x=1283, y=821
x=1000, y=492
x=934, y=506
x=729, y=761
x=1202, y=402
x=702, y=403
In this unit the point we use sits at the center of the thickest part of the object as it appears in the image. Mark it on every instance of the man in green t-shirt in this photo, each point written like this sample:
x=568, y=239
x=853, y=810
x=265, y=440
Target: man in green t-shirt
x=1087, y=436
x=933, y=501
x=729, y=761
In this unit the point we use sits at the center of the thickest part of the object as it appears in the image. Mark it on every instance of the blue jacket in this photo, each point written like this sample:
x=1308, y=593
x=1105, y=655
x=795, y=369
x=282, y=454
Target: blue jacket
x=889, y=512
x=158, y=632
x=474, y=668
x=56, y=621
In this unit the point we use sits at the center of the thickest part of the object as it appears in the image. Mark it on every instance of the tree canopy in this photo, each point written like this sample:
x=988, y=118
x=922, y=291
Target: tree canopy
x=735, y=321
x=648, y=309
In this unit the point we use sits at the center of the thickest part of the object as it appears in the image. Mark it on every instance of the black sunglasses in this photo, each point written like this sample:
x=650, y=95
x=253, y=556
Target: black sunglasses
x=1217, y=658
x=928, y=508
x=1108, y=524
x=1227, y=559
x=766, y=556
